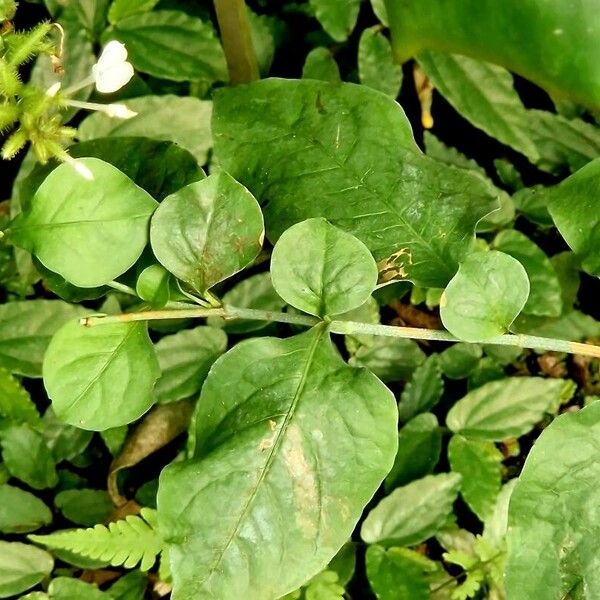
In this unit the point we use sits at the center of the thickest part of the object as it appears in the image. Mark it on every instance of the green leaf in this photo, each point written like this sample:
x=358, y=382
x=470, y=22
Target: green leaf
x=376, y=66
x=101, y=377
x=338, y=17
x=84, y=507
x=393, y=576
x=121, y=9
x=271, y=442
x=67, y=588
x=320, y=64
x=574, y=326
x=129, y=587
x=553, y=526
x=182, y=120
x=574, y=209
x=64, y=441
x=485, y=296
x=20, y=511
x=26, y=329
x=355, y=146
x=391, y=359
x=21, y=567
x=184, y=359
x=322, y=270
x=152, y=285
x=506, y=408
x=207, y=231
x=27, y=457
x=127, y=542
x=73, y=223
x=171, y=45
x=479, y=464
x=545, y=293
x=257, y=292
x=15, y=403
x=423, y=391
x=419, y=447
x=413, y=513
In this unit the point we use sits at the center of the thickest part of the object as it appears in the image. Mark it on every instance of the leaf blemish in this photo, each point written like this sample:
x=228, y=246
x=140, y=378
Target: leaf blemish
x=394, y=266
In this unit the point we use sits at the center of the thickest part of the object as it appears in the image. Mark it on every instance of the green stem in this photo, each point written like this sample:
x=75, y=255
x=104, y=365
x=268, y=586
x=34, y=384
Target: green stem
x=346, y=327
x=121, y=287
x=236, y=38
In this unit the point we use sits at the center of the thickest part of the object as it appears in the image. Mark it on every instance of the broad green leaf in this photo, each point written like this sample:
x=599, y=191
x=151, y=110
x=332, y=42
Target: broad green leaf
x=67, y=588
x=353, y=147
x=338, y=17
x=26, y=329
x=460, y=360
x=479, y=464
x=344, y=563
x=496, y=525
x=131, y=586
x=376, y=66
x=59, y=286
x=272, y=447
x=183, y=120
x=320, y=64
x=553, y=525
x=574, y=326
x=171, y=45
x=21, y=511
x=257, y=292
x=152, y=285
x=64, y=441
x=184, y=359
x=21, y=567
x=391, y=359
x=573, y=205
x=566, y=266
x=101, y=377
x=322, y=270
x=393, y=576
x=15, y=403
x=419, y=446
x=485, y=296
x=84, y=507
x=119, y=9
x=27, y=457
x=413, y=513
x=449, y=155
x=531, y=203
x=506, y=408
x=486, y=370
x=90, y=232
x=423, y=391
x=207, y=231
x=545, y=291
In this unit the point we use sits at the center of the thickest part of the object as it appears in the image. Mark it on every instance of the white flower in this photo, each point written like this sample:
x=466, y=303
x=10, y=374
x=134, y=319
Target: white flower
x=112, y=71
x=119, y=111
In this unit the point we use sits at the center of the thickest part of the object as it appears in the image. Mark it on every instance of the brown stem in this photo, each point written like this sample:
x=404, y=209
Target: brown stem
x=232, y=16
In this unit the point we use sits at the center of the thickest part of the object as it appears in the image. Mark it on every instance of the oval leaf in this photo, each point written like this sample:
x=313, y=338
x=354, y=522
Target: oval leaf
x=275, y=468
x=207, y=231
x=87, y=231
x=485, y=296
x=321, y=269
x=21, y=567
x=21, y=511
x=101, y=377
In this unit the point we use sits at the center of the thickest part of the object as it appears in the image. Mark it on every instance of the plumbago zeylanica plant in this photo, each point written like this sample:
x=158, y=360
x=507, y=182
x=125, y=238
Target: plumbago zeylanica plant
x=284, y=352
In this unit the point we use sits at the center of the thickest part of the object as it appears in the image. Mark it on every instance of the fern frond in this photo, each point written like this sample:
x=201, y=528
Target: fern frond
x=124, y=543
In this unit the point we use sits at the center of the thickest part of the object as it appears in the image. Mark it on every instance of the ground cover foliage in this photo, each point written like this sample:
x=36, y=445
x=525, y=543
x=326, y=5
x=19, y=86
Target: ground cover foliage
x=299, y=300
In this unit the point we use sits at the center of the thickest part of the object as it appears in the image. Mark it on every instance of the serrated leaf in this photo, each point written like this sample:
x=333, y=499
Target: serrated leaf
x=545, y=292
x=64, y=441
x=101, y=377
x=171, y=45
x=15, y=403
x=419, y=447
x=21, y=567
x=479, y=464
x=119, y=9
x=128, y=542
x=27, y=457
x=184, y=359
x=26, y=329
x=338, y=17
x=21, y=511
x=574, y=326
x=553, y=526
x=131, y=586
x=271, y=446
x=85, y=507
x=423, y=391
x=182, y=120
x=322, y=270
x=412, y=513
x=207, y=231
x=376, y=66
x=67, y=588
x=354, y=146
x=320, y=64
x=506, y=408
x=393, y=576
x=73, y=222
x=485, y=296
